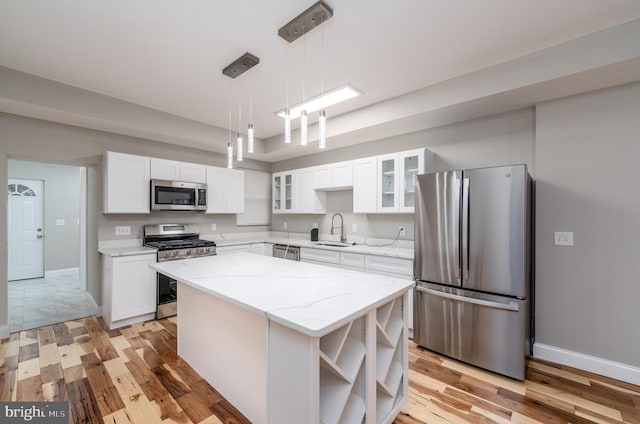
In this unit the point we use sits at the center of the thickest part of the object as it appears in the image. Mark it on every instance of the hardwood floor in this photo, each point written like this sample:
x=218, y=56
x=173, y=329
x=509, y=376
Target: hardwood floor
x=133, y=375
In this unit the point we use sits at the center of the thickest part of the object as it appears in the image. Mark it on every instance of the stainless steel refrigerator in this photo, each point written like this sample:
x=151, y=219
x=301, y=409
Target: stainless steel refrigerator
x=472, y=266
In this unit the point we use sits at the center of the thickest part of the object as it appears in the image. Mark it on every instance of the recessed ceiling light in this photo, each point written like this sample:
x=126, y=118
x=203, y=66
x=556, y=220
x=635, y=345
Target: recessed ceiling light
x=329, y=98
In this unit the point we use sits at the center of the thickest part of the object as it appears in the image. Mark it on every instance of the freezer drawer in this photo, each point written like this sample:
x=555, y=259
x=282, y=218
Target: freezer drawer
x=484, y=330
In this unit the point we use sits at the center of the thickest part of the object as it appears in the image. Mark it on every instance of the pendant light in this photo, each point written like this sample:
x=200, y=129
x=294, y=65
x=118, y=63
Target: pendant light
x=239, y=140
x=229, y=146
x=303, y=115
x=322, y=115
x=233, y=70
x=250, y=125
x=287, y=112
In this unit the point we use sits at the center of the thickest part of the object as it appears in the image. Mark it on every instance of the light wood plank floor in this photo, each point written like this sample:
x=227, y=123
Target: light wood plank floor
x=133, y=375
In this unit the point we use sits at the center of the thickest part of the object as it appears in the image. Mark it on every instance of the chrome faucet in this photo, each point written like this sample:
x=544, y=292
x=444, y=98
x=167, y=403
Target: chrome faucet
x=343, y=238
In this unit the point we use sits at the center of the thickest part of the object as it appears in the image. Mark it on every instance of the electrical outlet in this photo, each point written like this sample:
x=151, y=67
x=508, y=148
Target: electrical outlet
x=284, y=225
x=354, y=228
x=60, y=222
x=213, y=227
x=402, y=231
x=123, y=230
x=314, y=225
x=563, y=238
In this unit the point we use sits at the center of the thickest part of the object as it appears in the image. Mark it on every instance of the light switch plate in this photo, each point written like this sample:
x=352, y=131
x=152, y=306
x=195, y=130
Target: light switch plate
x=123, y=230
x=284, y=225
x=354, y=228
x=213, y=227
x=563, y=238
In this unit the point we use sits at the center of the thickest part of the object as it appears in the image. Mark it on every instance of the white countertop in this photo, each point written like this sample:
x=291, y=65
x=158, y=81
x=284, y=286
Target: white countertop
x=395, y=252
x=126, y=250
x=312, y=299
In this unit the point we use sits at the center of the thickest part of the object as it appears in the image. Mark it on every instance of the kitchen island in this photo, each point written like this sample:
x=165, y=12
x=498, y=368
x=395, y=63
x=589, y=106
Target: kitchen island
x=290, y=342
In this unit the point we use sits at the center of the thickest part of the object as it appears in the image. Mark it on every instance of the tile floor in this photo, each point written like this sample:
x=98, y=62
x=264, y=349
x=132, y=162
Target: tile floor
x=44, y=301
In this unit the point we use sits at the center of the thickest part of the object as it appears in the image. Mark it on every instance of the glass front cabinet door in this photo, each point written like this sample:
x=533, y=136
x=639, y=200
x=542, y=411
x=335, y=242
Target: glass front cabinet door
x=282, y=184
x=396, y=180
x=277, y=193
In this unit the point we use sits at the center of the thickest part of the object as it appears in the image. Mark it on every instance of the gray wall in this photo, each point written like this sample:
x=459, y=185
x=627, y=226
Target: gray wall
x=495, y=140
x=36, y=140
x=587, y=150
x=61, y=201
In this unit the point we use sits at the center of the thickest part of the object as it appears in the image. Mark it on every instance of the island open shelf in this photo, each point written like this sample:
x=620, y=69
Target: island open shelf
x=291, y=342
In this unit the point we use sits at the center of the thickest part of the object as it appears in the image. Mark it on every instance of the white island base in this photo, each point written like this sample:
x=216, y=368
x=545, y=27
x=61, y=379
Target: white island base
x=274, y=374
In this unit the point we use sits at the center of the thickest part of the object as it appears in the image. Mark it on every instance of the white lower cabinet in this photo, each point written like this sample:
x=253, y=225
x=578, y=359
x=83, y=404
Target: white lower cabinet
x=128, y=289
x=230, y=249
x=320, y=256
x=353, y=261
x=257, y=248
x=268, y=249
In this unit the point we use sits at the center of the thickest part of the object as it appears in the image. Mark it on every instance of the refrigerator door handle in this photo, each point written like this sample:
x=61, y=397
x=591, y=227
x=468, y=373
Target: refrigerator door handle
x=465, y=229
x=456, y=193
x=511, y=306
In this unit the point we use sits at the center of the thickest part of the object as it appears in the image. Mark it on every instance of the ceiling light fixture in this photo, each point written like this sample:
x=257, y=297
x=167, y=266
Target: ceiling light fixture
x=234, y=70
x=329, y=98
x=298, y=27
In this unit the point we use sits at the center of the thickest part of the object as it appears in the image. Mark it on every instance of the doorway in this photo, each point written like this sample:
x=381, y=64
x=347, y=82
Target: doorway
x=47, y=257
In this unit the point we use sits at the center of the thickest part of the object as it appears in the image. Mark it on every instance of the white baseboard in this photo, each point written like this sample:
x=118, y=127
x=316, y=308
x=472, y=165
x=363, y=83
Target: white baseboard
x=4, y=331
x=61, y=272
x=593, y=364
x=97, y=310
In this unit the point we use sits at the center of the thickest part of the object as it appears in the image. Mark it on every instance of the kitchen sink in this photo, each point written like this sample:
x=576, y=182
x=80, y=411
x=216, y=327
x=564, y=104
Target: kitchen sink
x=333, y=244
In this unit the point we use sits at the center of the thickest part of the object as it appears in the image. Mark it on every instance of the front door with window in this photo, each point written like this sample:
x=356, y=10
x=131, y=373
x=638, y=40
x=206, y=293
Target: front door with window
x=26, y=232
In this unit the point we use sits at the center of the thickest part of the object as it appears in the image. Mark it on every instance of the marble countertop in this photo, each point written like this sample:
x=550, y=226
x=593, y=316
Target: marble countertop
x=126, y=250
x=309, y=298
x=395, y=252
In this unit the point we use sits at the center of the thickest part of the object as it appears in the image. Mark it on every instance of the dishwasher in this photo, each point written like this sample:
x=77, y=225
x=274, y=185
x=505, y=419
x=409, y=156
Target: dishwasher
x=286, y=252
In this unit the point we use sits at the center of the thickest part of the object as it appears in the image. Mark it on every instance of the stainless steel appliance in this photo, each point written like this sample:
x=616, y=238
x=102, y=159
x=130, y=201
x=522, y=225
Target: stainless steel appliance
x=286, y=252
x=178, y=196
x=472, y=266
x=174, y=241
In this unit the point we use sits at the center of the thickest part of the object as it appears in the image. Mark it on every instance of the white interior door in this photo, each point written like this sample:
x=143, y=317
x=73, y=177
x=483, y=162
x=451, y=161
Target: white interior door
x=25, y=229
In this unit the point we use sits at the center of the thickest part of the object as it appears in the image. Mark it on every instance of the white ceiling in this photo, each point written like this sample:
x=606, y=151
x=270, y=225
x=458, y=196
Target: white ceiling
x=168, y=55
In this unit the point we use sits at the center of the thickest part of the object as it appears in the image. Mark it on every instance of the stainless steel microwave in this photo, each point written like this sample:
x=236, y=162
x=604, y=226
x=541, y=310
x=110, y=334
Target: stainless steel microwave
x=178, y=196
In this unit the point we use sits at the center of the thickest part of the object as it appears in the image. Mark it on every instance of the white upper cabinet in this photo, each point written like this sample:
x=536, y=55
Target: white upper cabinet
x=172, y=170
x=305, y=198
x=282, y=185
x=225, y=190
x=396, y=180
x=126, y=183
x=334, y=176
x=365, y=173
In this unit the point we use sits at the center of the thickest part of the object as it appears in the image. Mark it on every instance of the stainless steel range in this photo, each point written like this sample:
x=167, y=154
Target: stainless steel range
x=174, y=241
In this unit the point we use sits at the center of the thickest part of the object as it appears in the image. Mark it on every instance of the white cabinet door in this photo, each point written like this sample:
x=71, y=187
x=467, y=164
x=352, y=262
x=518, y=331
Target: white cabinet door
x=231, y=249
x=342, y=175
x=133, y=288
x=193, y=172
x=410, y=164
x=387, y=183
x=334, y=176
x=325, y=257
x=216, y=191
x=305, y=198
x=173, y=170
x=164, y=169
x=225, y=190
x=282, y=184
x=352, y=260
x=234, y=186
x=268, y=249
x=258, y=248
x=365, y=173
x=126, y=183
